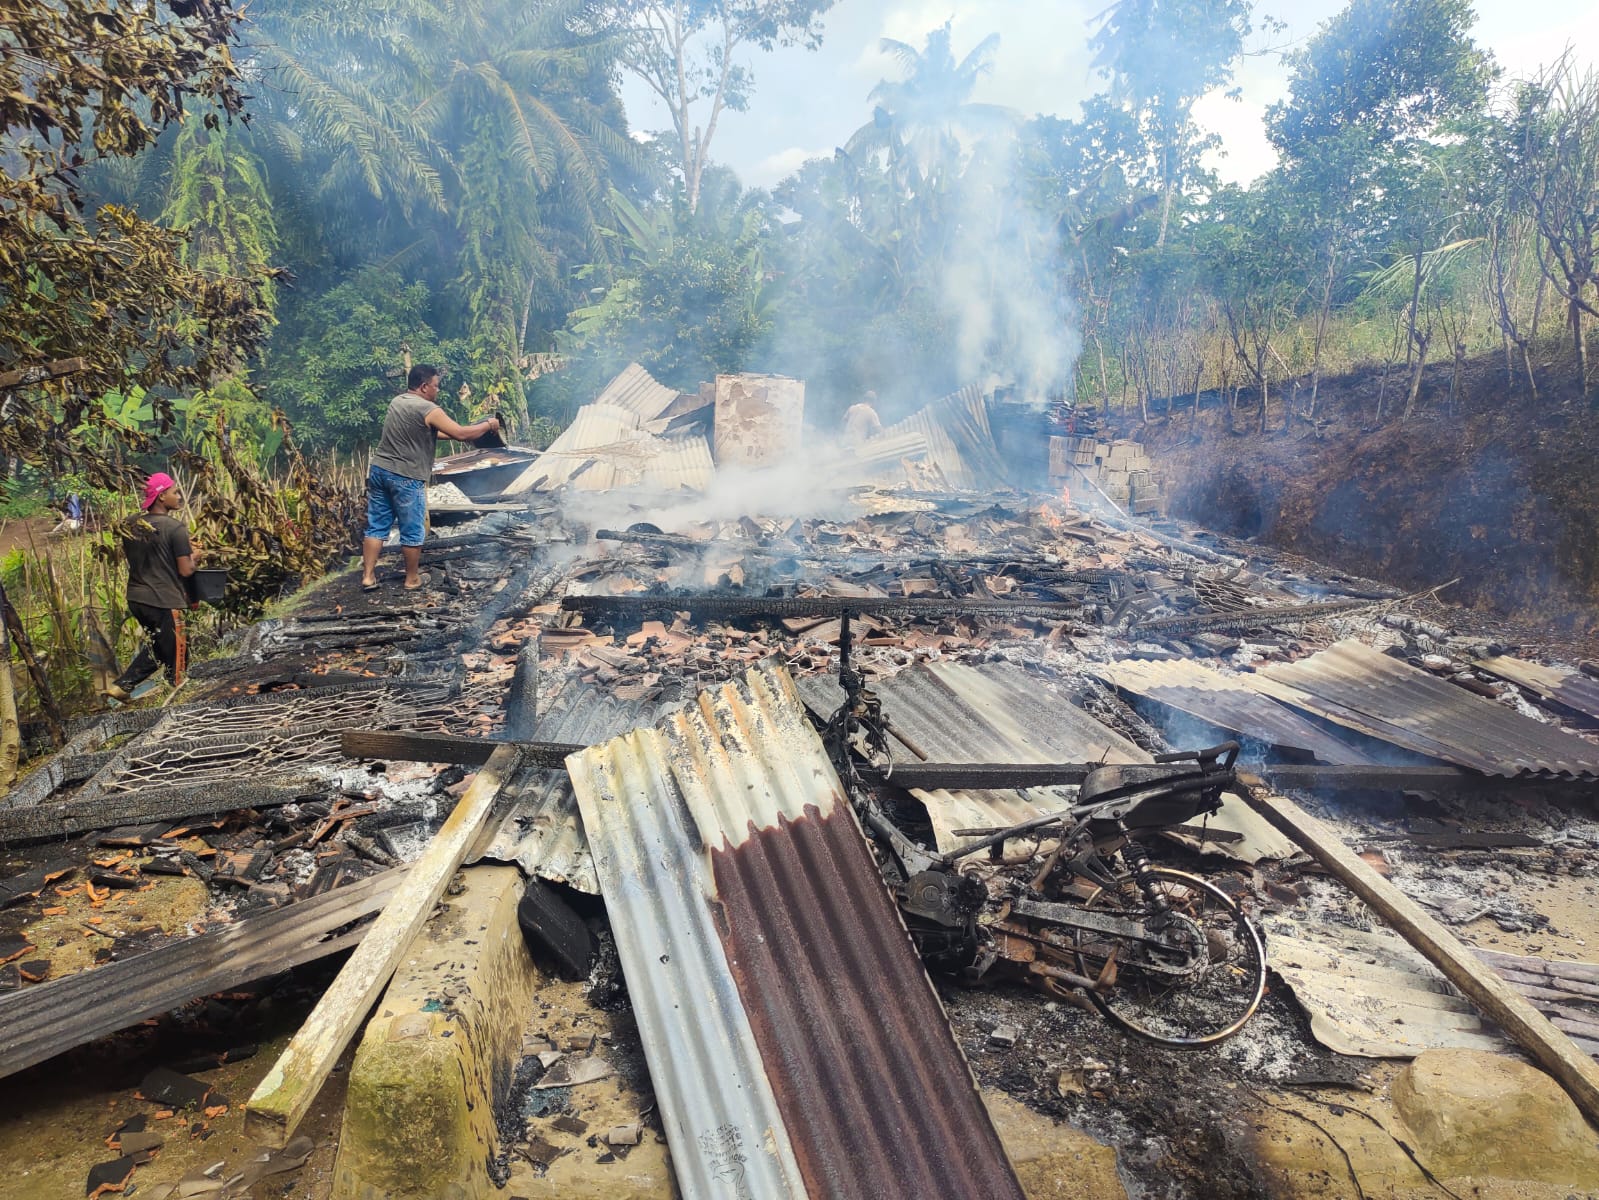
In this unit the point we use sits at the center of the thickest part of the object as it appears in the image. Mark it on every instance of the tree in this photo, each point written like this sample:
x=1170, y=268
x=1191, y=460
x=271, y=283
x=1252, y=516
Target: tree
x=110, y=300
x=1161, y=56
x=474, y=142
x=685, y=51
x=1365, y=135
x=1557, y=139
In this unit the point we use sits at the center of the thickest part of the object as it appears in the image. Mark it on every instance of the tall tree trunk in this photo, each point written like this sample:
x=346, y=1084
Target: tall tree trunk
x=1421, y=339
x=1321, y=331
x=1579, y=344
x=36, y=672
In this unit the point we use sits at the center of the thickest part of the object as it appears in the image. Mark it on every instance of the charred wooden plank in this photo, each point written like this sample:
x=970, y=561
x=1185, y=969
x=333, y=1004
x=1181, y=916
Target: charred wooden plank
x=1318, y=777
x=281, y=1100
x=929, y=776
x=42, y=822
x=724, y=607
x=440, y=747
x=42, y=1021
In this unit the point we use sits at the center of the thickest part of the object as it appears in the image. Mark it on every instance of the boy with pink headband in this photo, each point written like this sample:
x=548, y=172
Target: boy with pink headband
x=160, y=558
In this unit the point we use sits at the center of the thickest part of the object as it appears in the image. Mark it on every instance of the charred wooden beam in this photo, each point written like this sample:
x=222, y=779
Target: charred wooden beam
x=1544, y=1043
x=978, y=777
x=722, y=607
x=44, y=822
x=42, y=1021
x=441, y=747
x=1318, y=777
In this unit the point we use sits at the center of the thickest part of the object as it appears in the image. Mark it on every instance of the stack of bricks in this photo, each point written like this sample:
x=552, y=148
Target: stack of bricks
x=1121, y=469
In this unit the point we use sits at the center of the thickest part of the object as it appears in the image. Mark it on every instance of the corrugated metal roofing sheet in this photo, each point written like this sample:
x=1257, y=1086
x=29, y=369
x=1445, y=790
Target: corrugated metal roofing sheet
x=1371, y=993
x=1572, y=689
x=795, y=1043
x=959, y=441
x=1226, y=702
x=542, y=832
x=636, y=390
x=1366, y=690
x=595, y=426
x=680, y=463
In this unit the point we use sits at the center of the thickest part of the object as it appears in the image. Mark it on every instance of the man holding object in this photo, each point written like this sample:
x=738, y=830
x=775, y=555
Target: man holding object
x=396, y=483
x=160, y=558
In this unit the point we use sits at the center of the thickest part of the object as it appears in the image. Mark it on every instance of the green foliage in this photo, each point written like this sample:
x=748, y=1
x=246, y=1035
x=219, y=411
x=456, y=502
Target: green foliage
x=340, y=358
x=688, y=301
x=112, y=302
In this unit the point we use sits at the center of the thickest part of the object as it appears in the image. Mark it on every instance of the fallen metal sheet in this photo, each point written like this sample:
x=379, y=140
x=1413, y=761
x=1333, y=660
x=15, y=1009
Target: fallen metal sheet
x=542, y=831
x=1572, y=689
x=959, y=441
x=1227, y=703
x=258, y=738
x=1370, y=994
x=679, y=463
x=1368, y=691
x=795, y=1043
x=637, y=391
x=594, y=427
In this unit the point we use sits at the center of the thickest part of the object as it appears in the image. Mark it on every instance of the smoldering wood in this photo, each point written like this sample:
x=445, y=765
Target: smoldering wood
x=1453, y=781
x=444, y=748
x=724, y=607
x=42, y=1021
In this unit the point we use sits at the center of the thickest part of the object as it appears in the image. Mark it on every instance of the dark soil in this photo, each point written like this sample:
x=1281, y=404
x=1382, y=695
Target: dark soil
x=1499, y=494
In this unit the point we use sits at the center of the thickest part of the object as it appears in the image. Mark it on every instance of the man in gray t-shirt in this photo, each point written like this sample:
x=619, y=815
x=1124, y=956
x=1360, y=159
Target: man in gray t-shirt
x=396, y=482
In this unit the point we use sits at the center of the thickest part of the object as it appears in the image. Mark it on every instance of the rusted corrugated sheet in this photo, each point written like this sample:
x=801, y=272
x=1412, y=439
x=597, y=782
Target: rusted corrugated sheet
x=1368, y=691
x=636, y=390
x=795, y=1043
x=1572, y=689
x=1226, y=702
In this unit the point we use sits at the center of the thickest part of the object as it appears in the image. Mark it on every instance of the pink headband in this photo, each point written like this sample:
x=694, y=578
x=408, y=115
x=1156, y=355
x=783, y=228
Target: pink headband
x=154, y=486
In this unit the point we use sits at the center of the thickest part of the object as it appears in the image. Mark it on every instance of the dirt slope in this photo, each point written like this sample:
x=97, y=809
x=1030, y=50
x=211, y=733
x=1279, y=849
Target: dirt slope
x=1502, y=494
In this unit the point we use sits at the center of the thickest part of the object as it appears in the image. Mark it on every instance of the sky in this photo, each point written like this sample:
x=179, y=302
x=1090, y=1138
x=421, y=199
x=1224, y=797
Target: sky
x=805, y=104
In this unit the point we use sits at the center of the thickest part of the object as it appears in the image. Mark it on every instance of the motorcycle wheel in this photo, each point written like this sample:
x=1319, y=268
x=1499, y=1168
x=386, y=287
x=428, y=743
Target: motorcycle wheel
x=1198, y=1007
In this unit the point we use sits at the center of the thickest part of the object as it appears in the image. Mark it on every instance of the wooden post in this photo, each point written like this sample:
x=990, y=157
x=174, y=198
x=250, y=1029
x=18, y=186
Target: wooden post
x=280, y=1102
x=1548, y=1047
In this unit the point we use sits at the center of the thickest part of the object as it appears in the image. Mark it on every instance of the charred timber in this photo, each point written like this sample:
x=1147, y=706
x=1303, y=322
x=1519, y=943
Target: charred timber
x=1245, y=620
x=927, y=776
x=46, y=822
x=437, y=747
x=776, y=607
x=1316, y=777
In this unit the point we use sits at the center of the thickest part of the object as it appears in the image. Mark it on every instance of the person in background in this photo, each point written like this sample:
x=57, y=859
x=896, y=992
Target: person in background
x=71, y=518
x=861, y=422
x=160, y=557
x=396, y=482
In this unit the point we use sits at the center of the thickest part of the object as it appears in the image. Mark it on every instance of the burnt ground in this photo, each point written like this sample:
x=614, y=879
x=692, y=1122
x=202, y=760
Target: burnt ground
x=1498, y=493
x=1184, y=1124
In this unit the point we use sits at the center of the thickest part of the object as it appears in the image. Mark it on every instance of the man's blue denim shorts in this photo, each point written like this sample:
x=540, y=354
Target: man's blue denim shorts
x=395, y=500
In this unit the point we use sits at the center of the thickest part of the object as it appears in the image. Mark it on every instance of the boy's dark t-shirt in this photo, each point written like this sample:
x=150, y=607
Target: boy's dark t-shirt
x=153, y=543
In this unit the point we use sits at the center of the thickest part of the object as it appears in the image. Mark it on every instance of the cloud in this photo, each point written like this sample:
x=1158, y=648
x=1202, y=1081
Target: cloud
x=776, y=167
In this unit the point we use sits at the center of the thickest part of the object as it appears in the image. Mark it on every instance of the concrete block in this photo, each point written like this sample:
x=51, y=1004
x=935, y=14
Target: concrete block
x=447, y=1035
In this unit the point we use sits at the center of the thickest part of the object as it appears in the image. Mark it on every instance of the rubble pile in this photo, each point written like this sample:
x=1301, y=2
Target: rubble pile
x=1002, y=630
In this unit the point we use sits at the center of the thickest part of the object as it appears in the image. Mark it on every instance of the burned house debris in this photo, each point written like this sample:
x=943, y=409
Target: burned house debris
x=788, y=791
